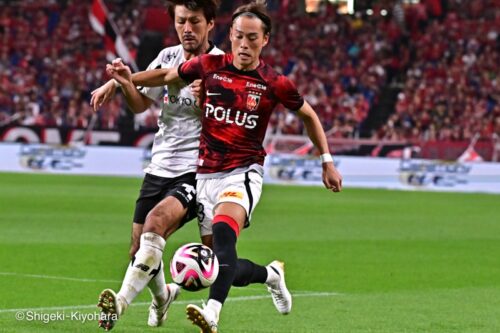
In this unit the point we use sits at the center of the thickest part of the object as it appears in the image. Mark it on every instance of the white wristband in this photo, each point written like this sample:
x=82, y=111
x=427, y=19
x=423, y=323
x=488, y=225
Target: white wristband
x=116, y=83
x=325, y=158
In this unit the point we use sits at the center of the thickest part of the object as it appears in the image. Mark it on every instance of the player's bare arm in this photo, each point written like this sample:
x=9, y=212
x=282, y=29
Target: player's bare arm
x=331, y=177
x=122, y=74
x=198, y=92
x=102, y=95
x=156, y=77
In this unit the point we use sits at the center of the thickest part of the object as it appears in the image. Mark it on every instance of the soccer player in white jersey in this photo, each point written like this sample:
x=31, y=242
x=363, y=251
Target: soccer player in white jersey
x=241, y=93
x=167, y=197
x=178, y=136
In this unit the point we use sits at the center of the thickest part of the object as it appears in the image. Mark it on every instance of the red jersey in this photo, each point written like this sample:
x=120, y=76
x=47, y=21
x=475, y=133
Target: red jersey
x=236, y=110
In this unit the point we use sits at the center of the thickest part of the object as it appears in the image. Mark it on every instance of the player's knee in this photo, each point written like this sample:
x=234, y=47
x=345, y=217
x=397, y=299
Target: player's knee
x=224, y=241
x=159, y=212
x=162, y=220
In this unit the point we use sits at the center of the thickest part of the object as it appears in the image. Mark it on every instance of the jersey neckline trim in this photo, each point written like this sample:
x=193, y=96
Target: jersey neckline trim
x=253, y=73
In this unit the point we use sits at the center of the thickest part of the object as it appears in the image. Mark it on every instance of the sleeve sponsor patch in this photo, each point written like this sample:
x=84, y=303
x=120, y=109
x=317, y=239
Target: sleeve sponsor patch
x=231, y=194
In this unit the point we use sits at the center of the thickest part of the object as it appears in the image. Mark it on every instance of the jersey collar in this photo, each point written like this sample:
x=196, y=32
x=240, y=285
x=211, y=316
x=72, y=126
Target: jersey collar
x=210, y=47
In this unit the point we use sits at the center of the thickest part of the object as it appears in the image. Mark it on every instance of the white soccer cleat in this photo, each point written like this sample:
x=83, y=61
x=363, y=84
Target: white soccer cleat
x=112, y=307
x=282, y=298
x=158, y=314
x=205, y=318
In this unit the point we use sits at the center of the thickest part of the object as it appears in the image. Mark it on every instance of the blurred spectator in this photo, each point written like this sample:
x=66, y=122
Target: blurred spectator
x=444, y=57
x=451, y=89
x=51, y=59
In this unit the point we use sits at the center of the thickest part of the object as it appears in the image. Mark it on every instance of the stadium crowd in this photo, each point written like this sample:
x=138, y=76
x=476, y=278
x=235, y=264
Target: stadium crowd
x=451, y=88
x=51, y=59
x=445, y=59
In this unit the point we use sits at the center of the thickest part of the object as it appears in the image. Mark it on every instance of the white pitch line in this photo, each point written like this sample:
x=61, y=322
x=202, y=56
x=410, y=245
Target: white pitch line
x=74, y=279
x=184, y=302
x=51, y=277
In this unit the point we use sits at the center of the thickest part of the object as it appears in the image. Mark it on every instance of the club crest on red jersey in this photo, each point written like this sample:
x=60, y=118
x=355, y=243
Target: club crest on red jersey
x=253, y=101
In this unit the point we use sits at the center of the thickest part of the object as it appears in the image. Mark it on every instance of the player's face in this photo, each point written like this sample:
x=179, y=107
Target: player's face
x=192, y=28
x=247, y=40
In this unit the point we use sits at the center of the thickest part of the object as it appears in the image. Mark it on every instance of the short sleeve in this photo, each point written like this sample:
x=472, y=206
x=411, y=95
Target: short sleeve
x=287, y=94
x=192, y=70
x=153, y=93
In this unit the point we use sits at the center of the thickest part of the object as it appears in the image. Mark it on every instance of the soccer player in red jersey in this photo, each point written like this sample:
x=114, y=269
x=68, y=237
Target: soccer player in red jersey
x=241, y=92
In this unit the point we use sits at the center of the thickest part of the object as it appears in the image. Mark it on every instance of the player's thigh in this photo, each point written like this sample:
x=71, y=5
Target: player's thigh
x=240, y=194
x=206, y=199
x=151, y=193
x=234, y=210
x=177, y=208
x=165, y=217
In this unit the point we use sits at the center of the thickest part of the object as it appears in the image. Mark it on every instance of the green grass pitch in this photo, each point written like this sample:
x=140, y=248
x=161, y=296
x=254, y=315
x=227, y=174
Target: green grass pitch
x=359, y=261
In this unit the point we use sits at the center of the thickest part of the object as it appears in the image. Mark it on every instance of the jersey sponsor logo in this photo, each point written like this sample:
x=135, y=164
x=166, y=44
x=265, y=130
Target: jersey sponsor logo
x=256, y=86
x=229, y=116
x=172, y=99
x=223, y=78
x=142, y=267
x=231, y=194
x=253, y=100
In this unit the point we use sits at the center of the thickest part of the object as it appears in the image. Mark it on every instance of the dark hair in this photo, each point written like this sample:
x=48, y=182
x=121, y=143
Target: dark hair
x=258, y=9
x=209, y=7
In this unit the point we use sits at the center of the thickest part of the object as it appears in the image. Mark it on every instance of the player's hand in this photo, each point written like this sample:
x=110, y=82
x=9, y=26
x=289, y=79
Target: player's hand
x=119, y=71
x=102, y=95
x=198, y=92
x=331, y=177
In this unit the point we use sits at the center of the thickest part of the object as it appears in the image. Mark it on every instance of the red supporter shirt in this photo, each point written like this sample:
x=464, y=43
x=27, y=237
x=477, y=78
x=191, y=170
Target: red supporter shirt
x=236, y=110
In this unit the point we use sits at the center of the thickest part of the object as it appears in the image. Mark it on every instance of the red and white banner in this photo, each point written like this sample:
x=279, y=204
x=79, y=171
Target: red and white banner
x=102, y=23
x=470, y=155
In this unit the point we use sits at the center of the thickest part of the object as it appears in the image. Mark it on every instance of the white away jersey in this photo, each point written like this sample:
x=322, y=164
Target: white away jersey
x=175, y=147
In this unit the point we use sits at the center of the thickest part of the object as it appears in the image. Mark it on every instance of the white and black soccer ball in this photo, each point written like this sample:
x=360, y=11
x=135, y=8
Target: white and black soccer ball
x=194, y=266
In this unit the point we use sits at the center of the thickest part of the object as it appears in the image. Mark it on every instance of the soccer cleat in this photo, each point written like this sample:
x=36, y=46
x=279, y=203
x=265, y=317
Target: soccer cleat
x=111, y=307
x=282, y=298
x=158, y=314
x=205, y=318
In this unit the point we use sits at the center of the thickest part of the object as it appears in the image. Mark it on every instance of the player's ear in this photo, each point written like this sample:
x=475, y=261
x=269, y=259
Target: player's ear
x=210, y=25
x=266, y=40
x=231, y=33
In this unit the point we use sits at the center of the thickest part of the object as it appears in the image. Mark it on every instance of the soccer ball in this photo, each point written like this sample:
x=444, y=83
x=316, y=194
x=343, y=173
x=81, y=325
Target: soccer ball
x=194, y=266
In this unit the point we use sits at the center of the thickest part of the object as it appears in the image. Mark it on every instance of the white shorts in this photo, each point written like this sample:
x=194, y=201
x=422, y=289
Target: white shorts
x=243, y=189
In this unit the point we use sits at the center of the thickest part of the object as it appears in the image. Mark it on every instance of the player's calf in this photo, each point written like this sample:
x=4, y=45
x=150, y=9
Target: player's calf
x=144, y=267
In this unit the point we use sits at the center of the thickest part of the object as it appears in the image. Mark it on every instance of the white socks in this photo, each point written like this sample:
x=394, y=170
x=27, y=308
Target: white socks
x=146, y=264
x=272, y=276
x=157, y=287
x=215, y=306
